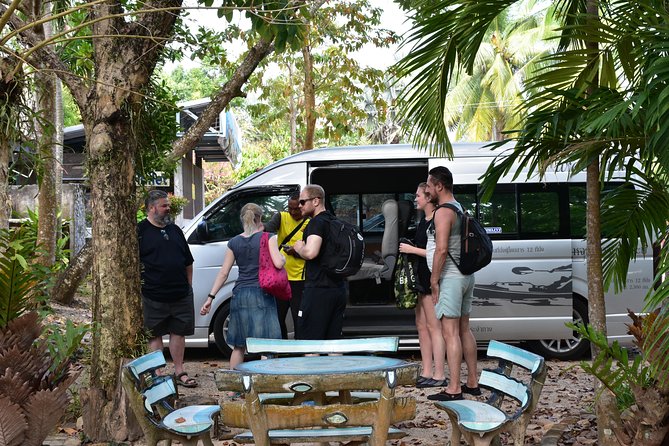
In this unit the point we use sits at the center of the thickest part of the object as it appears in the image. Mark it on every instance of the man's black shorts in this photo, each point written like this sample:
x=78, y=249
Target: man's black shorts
x=176, y=317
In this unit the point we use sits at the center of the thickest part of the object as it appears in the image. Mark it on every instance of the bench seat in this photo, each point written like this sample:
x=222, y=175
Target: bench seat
x=282, y=436
x=191, y=420
x=475, y=416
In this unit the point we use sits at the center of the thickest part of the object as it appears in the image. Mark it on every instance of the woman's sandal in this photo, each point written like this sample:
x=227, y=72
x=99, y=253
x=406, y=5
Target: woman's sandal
x=188, y=382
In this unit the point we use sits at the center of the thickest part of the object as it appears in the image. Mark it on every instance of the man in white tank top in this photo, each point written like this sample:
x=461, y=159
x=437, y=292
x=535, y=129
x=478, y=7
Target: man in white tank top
x=452, y=292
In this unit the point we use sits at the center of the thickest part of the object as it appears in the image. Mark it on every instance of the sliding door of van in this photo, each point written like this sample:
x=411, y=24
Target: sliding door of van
x=356, y=192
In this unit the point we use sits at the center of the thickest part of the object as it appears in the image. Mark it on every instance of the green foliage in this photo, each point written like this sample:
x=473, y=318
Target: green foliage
x=62, y=255
x=64, y=344
x=276, y=20
x=615, y=368
x=22, y=282
x=195, y=83
x=71, y=114
x=154, y=129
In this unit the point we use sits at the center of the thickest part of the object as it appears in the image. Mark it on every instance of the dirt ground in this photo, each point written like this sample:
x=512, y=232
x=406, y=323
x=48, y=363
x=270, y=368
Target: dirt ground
x=565, y=411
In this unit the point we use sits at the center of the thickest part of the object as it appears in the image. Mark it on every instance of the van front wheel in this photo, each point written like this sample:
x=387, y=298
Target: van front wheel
x=574, y=347
x=220, y=328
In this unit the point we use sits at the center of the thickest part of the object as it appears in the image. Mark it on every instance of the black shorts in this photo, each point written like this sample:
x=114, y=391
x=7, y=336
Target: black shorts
x=176, y=317
x=321, y=314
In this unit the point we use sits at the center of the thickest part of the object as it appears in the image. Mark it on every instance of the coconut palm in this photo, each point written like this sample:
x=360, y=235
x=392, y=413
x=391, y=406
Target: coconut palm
x=482, y=105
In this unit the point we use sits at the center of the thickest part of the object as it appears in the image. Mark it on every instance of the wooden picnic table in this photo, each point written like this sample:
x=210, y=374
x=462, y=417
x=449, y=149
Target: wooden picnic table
x=309, y=378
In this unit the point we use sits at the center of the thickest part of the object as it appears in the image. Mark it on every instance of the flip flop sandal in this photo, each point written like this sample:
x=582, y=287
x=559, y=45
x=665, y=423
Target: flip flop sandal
x=189, y=382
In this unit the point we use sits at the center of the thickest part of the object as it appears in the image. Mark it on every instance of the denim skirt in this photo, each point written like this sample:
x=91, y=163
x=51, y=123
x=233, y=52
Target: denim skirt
x=252, y=314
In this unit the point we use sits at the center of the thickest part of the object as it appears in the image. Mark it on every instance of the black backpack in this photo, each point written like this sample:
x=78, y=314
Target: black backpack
x=344, y=249
x=475, y=243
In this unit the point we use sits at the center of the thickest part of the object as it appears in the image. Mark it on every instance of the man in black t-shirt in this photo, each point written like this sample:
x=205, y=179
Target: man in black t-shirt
x=167, y=273
x=321, y=314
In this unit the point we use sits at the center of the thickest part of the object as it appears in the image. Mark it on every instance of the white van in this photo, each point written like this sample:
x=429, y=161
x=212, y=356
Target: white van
x=535, y=283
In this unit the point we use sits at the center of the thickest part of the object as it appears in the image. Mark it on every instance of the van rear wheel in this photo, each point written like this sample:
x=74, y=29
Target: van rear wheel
x=574, y=347
x=220, y=328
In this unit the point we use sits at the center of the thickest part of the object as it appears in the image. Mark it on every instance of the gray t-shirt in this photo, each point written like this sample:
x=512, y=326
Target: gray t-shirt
x=450, y=268
x=246, y=250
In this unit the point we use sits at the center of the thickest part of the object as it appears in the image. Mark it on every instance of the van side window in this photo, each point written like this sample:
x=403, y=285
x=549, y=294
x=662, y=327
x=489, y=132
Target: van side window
x=225, y=223
x=500, y=212
x=346, y=207
x=372, y=214
x=540, y=212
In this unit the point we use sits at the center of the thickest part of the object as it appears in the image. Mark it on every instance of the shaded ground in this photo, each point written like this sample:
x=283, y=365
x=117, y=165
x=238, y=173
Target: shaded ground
x=567, y=398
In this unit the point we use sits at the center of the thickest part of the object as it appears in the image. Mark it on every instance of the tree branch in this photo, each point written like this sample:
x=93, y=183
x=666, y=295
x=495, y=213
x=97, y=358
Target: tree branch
x=231, y=90
x=49, y=58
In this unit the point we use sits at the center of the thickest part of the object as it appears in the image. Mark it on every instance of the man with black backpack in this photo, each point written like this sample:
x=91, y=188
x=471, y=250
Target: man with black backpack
x=321, y=314
x=452, y=291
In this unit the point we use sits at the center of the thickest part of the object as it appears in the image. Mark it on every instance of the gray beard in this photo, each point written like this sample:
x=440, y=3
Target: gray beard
x=165, y=220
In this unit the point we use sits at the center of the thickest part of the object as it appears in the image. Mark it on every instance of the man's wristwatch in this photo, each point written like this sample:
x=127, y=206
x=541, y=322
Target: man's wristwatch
x=213, y=296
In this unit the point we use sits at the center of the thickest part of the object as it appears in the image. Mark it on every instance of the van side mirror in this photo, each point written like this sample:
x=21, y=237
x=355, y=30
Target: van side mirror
x=202, y=231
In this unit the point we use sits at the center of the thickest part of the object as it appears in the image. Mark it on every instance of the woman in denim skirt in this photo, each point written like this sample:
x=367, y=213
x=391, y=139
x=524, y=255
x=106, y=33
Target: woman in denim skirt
x=252, y=310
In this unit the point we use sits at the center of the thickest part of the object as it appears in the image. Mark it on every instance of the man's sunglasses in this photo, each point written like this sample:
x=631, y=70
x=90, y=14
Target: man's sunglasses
x=302, y=202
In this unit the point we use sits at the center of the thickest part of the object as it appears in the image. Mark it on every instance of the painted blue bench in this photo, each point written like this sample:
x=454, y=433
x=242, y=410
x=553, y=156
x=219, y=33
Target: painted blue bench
x=151, y=398
x=276, y=347
x=481, y=422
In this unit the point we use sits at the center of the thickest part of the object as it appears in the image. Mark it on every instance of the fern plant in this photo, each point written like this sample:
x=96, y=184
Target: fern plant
x=639, y=386
x=35, y=370
x=21, y=282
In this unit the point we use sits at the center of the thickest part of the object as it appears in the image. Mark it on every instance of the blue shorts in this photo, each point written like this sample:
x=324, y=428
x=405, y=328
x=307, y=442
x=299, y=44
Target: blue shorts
x=455, y=296
x=252, y=314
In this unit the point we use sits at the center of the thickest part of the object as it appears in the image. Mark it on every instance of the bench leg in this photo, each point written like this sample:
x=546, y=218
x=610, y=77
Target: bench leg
x=456, y=435
x=385, y=407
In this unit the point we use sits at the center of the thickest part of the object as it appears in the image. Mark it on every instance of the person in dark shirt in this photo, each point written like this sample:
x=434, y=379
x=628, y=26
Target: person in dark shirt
x=167, y=273
x=321, y=314
x=430, y=339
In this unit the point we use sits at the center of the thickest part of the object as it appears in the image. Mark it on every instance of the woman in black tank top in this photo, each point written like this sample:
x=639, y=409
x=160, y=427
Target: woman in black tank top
x=432, y=347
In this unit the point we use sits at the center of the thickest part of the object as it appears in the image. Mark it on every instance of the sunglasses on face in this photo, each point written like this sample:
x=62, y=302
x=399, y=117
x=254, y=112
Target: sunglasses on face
x=303, y=201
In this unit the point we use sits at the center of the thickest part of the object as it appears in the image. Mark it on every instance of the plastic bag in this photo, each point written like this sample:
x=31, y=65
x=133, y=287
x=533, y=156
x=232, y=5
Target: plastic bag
x=405, y=283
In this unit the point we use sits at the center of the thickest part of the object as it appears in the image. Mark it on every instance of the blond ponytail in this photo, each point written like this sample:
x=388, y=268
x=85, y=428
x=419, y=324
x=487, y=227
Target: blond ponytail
x=251, y=216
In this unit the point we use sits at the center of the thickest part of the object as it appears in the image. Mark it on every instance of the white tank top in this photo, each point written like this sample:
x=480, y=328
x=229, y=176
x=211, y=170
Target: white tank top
x=450, y=269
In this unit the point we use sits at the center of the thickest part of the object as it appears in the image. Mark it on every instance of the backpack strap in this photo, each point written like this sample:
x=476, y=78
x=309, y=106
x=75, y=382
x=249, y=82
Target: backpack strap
x=458, y=212
x=292, y=233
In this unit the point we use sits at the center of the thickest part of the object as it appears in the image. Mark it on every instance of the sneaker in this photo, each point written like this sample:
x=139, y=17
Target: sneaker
x=433, y=383
x=422, y=380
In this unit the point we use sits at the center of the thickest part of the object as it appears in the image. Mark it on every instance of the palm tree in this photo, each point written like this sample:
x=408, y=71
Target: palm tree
x=599, y=103
x=483, y=105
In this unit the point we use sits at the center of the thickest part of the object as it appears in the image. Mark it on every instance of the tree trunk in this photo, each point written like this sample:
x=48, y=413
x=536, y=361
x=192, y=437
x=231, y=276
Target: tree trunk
x=116, y=292
x=68, y=280
x=309, y=99
x=608, y=415
x=48, y=224
x=5, y=202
